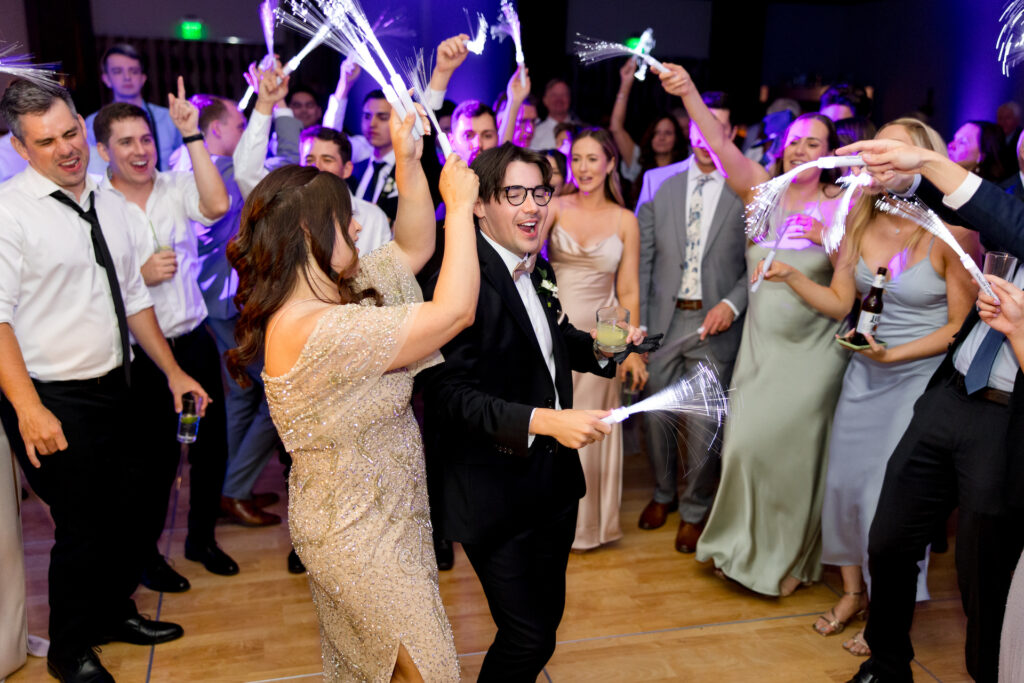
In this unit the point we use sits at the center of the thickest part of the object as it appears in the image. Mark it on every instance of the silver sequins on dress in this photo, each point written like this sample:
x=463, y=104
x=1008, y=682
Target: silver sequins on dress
x=357, y=510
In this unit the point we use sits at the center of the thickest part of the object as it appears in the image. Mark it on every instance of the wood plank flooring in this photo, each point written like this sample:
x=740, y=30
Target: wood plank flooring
x=636, y=611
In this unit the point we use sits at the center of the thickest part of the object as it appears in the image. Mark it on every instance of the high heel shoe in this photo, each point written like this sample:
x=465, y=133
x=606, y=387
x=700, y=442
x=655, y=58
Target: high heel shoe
x=833, y=624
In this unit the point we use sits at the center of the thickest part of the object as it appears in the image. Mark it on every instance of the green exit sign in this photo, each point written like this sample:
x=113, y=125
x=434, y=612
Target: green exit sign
x=191, y=29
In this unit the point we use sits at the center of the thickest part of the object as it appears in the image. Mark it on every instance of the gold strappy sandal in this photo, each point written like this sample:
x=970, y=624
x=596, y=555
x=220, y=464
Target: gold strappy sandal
x=833, y=624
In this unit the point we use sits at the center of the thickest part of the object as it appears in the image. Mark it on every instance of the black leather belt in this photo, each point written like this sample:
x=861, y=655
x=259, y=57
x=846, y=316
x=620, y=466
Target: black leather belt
x=987, y=394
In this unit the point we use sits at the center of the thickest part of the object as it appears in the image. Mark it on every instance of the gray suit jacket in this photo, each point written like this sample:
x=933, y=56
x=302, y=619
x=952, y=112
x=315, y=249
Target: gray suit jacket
x=661, y=212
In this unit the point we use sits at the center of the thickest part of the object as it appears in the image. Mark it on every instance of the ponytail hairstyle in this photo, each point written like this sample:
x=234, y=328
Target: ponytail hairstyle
x=288, y=226
x=612, y=184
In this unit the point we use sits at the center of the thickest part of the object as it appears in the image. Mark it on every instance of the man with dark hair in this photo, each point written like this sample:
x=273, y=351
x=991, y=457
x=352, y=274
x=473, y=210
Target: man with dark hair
x=70, y=292
x=474, y=129
x=557, y=100
x=693, y=286
x=844, y=101
x=161, y=206
x=123, y=70
x=305, y=105
x=330, y=151
x=374, y=178
x=501, y=434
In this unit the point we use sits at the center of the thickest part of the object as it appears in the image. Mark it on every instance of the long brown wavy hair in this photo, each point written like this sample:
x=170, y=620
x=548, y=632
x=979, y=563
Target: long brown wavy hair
x=288, y=219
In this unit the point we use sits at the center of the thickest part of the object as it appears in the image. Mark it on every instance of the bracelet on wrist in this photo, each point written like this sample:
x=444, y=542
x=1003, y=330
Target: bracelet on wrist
x=198, y=137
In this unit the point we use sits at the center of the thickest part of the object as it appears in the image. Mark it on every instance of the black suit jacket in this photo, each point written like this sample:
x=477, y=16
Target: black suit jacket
x=478, y=405
x=388, y=201
x=999, y=218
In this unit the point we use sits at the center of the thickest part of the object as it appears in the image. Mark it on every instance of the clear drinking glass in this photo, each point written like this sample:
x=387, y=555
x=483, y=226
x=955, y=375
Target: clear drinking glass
x=612, y=329
x=188, y=419
x=1000, y=264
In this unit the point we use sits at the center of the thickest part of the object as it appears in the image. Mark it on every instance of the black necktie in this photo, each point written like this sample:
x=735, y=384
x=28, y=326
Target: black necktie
x=371, y=187
x=99, y=246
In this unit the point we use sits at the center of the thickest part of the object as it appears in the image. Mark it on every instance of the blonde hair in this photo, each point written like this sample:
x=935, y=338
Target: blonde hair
x=864, y=211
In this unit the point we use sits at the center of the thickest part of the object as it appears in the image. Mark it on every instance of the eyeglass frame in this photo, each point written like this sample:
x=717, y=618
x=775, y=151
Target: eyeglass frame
x=532, y=191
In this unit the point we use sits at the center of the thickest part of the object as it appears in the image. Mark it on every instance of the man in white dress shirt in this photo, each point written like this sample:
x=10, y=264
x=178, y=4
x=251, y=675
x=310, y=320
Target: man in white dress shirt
x=70, y=292
x=330, y=151
x=557, y=99
x=162, y=204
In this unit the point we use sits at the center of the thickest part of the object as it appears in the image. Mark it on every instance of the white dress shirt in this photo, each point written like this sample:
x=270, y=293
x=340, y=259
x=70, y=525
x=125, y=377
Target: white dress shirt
x=544, y=134
x=372, y=194
x=250, y=157
x=376, y=227
x=1004, y=369
x=174, y=201
x=535, y=311
x=52, y=291
x=709, y=195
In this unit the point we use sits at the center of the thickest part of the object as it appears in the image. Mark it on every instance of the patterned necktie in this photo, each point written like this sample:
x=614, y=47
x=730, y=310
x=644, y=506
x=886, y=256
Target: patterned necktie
x=984, y=358
x=691, y=269
x=104, y=259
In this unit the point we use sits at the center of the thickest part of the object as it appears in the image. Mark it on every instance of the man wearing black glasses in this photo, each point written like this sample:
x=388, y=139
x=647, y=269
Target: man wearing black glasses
x=501, y=433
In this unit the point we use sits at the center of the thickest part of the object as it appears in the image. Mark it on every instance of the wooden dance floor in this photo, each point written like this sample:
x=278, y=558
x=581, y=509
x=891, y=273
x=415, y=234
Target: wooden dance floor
x=636, y=611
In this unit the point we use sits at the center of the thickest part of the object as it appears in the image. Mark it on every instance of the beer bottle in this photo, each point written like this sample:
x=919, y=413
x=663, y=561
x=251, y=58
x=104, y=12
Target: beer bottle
x=870, y=310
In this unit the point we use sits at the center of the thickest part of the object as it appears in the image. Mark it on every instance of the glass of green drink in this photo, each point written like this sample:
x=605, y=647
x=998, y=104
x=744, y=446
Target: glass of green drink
x=612, y=329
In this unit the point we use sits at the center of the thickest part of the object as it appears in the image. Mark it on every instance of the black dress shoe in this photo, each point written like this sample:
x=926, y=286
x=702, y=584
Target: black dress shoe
x=212, y=557
x=295, y=565
x=444, y=554
x=83, y=667
x=870, y=677
x=141, y=631
x=159, y=576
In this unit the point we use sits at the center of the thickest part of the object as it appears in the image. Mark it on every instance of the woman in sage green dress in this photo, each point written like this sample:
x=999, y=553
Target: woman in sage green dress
x=764, y=529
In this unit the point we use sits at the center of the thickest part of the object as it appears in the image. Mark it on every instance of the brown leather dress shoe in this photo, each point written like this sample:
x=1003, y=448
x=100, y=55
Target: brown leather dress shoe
x=246, y=513
x=687, y=536
x=655, y=514
x=262, y=500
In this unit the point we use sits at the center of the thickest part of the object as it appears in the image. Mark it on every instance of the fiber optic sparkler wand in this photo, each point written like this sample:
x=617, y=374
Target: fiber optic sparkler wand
x=20, y=65
x=508, y=25
x=696, y=395
x=591, y=51
x=917, y=212
x=267, y=11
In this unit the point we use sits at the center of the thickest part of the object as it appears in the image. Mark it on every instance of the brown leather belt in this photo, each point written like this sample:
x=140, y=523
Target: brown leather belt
x=987, y=394
x=689, y=304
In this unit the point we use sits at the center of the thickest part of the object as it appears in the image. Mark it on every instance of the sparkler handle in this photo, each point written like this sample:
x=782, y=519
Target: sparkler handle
x=403, y=95
x=522, y=73
x=655, y=64
x=618, y=415
x=839, y=162
x=978, y=276
x=767, y=264
x=244, y=102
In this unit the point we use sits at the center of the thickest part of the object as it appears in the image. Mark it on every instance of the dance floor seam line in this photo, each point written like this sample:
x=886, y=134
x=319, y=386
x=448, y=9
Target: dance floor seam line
x=175, y=493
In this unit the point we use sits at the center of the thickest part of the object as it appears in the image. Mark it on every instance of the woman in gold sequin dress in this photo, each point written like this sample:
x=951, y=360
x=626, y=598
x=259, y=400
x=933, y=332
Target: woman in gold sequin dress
x=343, y=338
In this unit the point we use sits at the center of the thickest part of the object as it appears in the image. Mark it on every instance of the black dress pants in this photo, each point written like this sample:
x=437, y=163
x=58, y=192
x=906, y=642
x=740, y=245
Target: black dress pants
x=954, y=452
x=95, y=563
x=155, y=425
x=523, y=577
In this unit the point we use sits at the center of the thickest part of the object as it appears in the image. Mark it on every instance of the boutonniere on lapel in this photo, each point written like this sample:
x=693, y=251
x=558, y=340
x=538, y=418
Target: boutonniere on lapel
x=547, y=290
x=389, y=186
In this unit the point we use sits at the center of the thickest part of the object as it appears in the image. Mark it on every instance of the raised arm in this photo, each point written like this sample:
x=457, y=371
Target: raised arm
x=251, y=152
x=742, y=174
x=617, y=125
x=337, y=102
x=414, y=222
x=451, y=53
x=213, y=197
x=517, y=90
x=453, y=305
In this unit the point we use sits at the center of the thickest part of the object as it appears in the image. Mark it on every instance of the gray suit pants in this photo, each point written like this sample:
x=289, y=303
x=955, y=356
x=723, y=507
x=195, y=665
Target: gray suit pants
x=695, y=443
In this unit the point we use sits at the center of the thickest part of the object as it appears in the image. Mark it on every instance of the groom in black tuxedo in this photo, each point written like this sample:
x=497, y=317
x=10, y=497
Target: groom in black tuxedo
x=500, y=430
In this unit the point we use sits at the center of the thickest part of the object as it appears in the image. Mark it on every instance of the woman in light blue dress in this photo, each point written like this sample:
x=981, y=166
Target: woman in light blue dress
x=927, y=296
